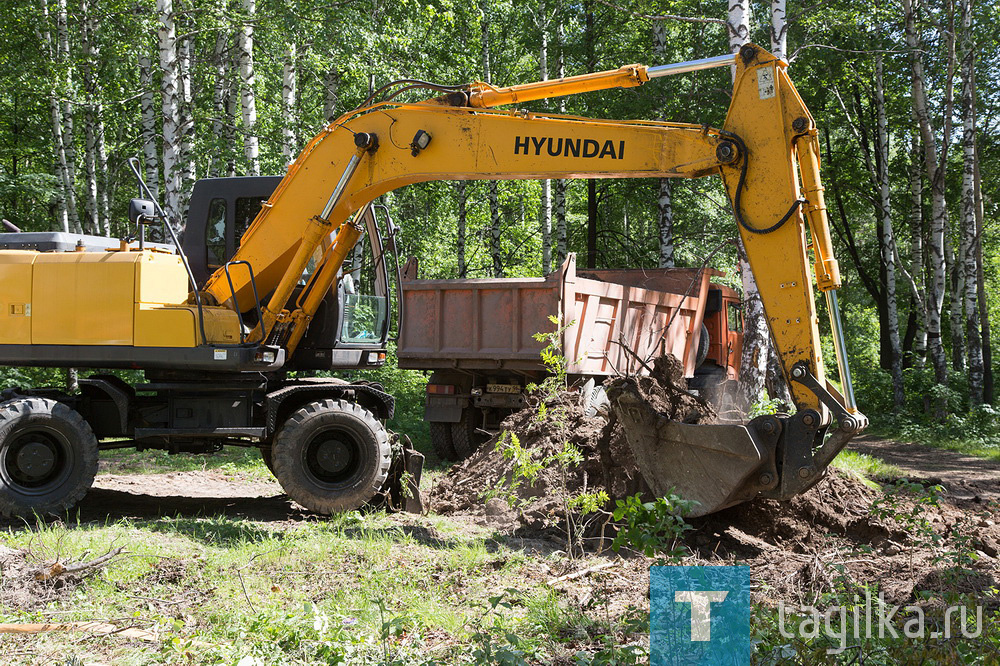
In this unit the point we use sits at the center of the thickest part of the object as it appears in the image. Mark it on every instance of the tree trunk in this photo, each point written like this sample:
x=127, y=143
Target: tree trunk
x=591, y=223
x=887, y=241
x=331, y=91
x=66, y=113
x=756, y=334
x=289, y=144
x=185, y=153
x=917, y=263
x=64, y=194
x=935, y=169
x=463, y=211
x=248, y=97
x=968, y=225
x=546, y=204
x=984, y=314
x=664, y=203
x=170, y=95
x=93, y=222
x=221, y=120
x=494, y=193
x=956, y=297
x=779, y=30
x=561, y=241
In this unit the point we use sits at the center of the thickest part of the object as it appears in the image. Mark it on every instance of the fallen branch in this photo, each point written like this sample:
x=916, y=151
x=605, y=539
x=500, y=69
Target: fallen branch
x=102, y=628
x=582, y=573
x=59, y=569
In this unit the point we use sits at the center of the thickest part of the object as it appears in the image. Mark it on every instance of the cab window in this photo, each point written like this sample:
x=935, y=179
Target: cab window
x=246, y=210
x=366, y=302
x=215, y=234
x=735, y=317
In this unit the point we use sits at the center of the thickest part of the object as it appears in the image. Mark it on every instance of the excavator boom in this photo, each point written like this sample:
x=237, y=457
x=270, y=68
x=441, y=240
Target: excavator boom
x=767, y=155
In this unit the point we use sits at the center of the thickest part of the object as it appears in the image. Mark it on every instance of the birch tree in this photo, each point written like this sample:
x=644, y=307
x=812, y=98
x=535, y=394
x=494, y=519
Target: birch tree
x=147, y=111
x=934, y=166
x=968, y=225
x=664, y=202
x=560, y=197
x=222, y=119
x=289, y=74
x=779, y=29
x=916, y=220
x=494, y=195
x=186, y=128
x=331, y=91
x=248, y=96
x=170, y=110
x=545, y=212
x=88, y=65
x=463, y=208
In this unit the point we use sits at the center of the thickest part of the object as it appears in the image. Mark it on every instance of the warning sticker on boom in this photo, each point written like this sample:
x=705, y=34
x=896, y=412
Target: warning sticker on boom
x=765, y=82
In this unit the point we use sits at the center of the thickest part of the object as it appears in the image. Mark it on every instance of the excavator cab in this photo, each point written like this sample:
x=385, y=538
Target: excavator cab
x=353, y=322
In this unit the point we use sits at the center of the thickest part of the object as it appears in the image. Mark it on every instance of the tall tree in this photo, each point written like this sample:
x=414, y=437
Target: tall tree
x=496, y=251
x=935, y=164
x=542, y=21
x=289, y=75
x=664, y=200
x=170, y=105
x=248, y=94
x=561, y=242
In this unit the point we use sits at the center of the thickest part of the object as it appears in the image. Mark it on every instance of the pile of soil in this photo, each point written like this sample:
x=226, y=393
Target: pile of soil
x=485, y=485
x=23, y=588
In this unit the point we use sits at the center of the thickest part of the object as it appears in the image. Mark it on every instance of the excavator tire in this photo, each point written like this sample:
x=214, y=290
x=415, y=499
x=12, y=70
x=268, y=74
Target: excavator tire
x=267, y=457
x=48, y=457
x=331, y=455
x=441, y=440
x=464, y=436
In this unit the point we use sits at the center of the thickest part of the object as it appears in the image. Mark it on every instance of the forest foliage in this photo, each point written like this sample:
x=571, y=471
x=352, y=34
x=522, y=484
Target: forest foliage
x=235, y=87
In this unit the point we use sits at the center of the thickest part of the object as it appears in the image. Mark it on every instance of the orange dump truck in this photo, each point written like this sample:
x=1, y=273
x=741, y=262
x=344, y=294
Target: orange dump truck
x=477, y=337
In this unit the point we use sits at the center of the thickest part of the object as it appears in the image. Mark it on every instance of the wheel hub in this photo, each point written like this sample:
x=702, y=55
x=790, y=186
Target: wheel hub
x=333, y=456
x=35, y=460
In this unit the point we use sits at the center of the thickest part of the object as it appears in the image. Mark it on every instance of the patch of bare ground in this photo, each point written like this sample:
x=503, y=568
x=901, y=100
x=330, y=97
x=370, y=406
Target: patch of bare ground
x=832, y=537
x=962, y=475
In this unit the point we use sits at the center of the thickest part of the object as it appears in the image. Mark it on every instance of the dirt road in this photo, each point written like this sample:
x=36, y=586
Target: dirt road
x=963, y=476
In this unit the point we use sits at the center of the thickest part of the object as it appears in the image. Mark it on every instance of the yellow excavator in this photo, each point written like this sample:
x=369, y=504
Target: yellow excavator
x=274, y=276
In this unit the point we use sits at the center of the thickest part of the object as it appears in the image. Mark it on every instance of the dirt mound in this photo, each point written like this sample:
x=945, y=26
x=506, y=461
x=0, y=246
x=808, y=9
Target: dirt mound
x=28, y=585
x=492, y=483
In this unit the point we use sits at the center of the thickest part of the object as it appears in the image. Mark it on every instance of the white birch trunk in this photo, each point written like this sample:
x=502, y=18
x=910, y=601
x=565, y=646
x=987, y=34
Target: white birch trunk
x=969, y=230
x=148, y=113
x=756, y=336
x=248, y=98
x=170, y=112
x=664, y=200
x=289, y=74
x=936, y=284
x=89, y=123
x=45, y=37
x=331, y=93
x=188, y=164
x=887, y=241
x=779, y=30
x=494, y=194
x=917, y=269
x=546, y=203
x=66, y=113
x=956, y=296
x=560, y=198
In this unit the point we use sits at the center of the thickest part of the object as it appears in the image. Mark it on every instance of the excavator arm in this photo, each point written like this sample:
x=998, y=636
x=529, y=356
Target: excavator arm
x=766, y=153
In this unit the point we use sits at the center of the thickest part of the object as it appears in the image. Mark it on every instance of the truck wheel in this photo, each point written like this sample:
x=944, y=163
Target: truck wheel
x=48, y=457
x=703, y=342
x=331, y=455
x=441, y=440
x=464, y=435
x=265, y=455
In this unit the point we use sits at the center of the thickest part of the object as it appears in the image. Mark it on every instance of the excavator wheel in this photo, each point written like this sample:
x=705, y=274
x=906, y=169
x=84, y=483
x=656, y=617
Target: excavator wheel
x=48, y=457
x=267, y=457
x=331, y=455
x=441, y=440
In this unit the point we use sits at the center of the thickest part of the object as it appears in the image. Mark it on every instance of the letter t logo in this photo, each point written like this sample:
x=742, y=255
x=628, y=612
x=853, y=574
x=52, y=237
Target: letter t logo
x=701, y=611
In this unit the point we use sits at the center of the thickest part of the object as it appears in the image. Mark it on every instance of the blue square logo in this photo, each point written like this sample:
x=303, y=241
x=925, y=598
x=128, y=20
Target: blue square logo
x=699, y=615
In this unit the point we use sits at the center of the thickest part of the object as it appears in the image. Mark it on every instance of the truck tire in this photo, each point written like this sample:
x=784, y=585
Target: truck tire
x=48, y=457
x=265, y=455
x=331, y=455
x=441, y=440
x=464, y=435
x=703, y=342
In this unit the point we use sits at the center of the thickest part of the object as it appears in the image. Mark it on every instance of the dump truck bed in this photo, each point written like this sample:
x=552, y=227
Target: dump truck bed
x=490, y=324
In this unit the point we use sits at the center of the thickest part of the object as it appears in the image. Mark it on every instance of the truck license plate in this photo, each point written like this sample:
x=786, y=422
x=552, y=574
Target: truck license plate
x=503, y=388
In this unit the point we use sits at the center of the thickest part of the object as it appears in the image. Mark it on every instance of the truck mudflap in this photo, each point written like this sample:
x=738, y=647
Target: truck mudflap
x=401, y=490
x=713, y=466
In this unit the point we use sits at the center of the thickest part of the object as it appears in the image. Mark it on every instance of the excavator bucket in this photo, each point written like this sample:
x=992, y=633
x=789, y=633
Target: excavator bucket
x=713, y=466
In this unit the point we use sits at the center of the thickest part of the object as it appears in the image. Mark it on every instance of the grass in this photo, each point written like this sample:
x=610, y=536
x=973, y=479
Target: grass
x=870, y=470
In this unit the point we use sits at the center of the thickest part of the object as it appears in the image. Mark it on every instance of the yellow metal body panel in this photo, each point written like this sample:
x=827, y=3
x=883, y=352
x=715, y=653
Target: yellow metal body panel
x=15, y=297
x=83, y=298
x=103, y=298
